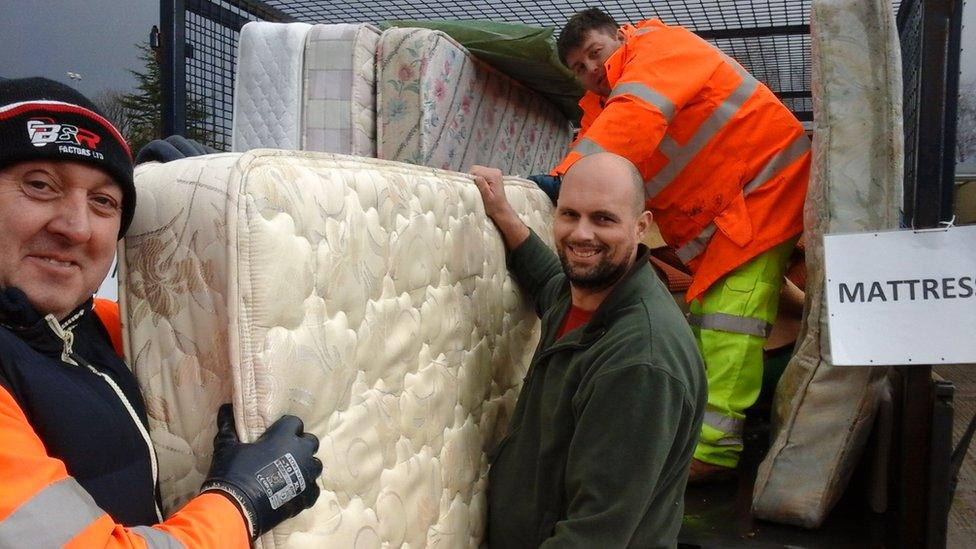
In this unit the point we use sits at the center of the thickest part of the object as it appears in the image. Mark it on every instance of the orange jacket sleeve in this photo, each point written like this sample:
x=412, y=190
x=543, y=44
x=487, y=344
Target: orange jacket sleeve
x=591, y=104
x=41, y=505
x=653, y=76
x=108, y=313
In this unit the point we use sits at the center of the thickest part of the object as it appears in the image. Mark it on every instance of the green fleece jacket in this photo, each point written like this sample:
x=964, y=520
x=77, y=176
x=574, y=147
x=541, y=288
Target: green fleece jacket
x=599, y=445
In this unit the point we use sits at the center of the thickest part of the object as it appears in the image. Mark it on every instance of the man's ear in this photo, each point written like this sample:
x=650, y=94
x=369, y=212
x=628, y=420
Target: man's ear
x=644, y=221
x=620, y=35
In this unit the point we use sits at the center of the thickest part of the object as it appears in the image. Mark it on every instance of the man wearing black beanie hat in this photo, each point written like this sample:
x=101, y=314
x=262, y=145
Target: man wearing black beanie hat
x=44, y=119
x=77, y=465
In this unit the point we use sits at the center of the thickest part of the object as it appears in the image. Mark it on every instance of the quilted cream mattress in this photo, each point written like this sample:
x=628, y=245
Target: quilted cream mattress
x=439, y=106
x=370, y=298
x=268, y=86
x=306, y=87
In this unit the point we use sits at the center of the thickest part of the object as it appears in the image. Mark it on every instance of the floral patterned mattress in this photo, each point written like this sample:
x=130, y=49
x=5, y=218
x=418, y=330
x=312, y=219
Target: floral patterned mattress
x=368, y=297
x=306, y=87
x=439, y=106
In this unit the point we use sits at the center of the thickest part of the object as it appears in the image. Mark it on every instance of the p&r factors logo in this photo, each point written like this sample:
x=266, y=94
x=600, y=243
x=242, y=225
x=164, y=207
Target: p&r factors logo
x=70, y=138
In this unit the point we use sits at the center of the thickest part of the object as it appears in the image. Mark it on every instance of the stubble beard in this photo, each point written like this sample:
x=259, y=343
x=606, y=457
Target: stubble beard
x=599, y=277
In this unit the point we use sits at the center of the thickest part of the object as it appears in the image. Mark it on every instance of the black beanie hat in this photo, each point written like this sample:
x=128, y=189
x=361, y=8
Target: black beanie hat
x=41, y=119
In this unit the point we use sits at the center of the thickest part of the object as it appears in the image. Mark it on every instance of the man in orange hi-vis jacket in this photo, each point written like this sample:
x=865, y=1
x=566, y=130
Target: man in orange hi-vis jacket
x=725, y=166
x=77, y=466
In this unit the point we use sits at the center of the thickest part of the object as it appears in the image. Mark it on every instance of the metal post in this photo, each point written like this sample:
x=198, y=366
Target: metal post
x=935, y=160
x=921, y=513
x=172, y=66
x=913, y=449
x=953, y=51
x=939, y=464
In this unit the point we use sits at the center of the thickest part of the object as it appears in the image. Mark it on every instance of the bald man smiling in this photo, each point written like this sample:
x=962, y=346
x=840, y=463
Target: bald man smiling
x=599, y=445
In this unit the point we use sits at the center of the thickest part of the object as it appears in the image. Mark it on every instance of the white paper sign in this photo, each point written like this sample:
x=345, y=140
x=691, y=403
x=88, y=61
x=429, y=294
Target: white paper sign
x=902, y=297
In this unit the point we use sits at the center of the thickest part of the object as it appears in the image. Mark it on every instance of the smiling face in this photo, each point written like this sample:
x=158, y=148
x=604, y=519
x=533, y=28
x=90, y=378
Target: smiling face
x=587, y=61
x=59, y=222
x=599, y=222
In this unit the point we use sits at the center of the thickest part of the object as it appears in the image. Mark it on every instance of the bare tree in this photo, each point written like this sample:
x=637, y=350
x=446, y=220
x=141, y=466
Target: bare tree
x=110, y=102
x=966, y=123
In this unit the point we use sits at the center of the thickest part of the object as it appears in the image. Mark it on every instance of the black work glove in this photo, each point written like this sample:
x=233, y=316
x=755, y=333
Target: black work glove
x=270, y=479
x=549, y=184
x=173, y=147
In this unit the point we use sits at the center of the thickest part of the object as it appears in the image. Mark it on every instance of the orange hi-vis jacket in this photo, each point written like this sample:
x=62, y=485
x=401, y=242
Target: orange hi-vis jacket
x=43, y=505
x=725, y=163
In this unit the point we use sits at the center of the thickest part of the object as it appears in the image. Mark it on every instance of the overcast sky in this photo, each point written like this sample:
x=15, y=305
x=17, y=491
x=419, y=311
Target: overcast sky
x=96, y=39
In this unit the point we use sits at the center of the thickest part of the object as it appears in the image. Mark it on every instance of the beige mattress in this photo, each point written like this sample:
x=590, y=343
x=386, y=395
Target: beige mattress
x=370, y=298
x=437, y=105
x=822, y=413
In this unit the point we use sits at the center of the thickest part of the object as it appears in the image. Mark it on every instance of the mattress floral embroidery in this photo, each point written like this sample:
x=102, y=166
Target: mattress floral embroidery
x=368, y=297
x=439, y=106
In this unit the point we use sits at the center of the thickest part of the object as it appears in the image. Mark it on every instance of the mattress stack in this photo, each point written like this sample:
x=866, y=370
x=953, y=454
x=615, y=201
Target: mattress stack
x=411, y=95
x=439, y=106
x=370, y=298
x=306, y=87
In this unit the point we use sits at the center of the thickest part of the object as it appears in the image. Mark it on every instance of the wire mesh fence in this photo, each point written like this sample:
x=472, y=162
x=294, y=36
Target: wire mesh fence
x=769, y=37
x=212, y=31
x=910, y=36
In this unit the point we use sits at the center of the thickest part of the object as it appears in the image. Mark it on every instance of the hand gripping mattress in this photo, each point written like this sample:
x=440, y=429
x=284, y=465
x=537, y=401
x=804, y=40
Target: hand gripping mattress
x=303, y=87
x=822, y=413
x=370, y=298
x=439, y=106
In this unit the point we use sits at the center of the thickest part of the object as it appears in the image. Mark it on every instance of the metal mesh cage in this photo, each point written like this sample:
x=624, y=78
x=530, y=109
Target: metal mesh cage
x=212, y=32
x=699, y=15
x=910, y=35
x=769, y=37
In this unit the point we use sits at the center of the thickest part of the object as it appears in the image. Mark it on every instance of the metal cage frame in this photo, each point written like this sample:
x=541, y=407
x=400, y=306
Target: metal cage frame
x=197, y=53
x=769, y=37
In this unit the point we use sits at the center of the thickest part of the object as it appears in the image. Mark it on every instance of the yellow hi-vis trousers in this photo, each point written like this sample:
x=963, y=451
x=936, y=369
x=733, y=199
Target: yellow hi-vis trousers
x=731, y=322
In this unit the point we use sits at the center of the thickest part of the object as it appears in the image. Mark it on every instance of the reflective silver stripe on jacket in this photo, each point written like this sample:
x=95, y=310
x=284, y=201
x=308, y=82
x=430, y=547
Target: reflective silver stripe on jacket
x=679, y=156
x=728, y=441
x=726, y=425
x=776, y=164
x=51, y=518
x=736, y=66
x=587, y=146
x=779, y=162
x=668, y=146
x=646, y=30
x=648, y=94
x=723, y=322
x=696, y=245
x=157, y=539
x=706, y=131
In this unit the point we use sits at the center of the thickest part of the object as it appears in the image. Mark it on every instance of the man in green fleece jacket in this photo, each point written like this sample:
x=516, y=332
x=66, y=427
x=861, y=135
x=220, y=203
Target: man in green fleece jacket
x=599, y=445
